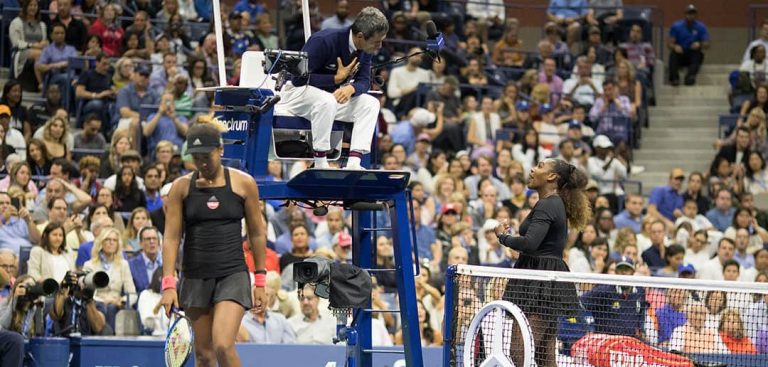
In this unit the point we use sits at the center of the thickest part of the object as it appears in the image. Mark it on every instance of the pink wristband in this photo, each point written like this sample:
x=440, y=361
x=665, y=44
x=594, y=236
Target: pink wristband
x=260, y=280
x=168, y=283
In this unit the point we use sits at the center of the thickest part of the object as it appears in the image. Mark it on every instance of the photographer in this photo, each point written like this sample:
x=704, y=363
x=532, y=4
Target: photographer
x=11, y=343
x=17, y=229
x=17, y=310
x=72, y=298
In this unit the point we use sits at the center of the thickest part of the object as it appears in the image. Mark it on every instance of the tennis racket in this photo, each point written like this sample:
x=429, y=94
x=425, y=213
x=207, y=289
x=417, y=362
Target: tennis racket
x=179, y=341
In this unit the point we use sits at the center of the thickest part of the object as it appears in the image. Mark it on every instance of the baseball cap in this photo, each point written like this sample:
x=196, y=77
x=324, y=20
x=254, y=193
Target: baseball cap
x=602, y=141
x=203, y=138
x=625, y=261
x=691, y=9
x=422, y=117
x=161, y=36
x=235, y=15
x=5, y=110
x=462, y=153
x=450, y=207
x=523, y=105
x=686, y=268
x=574, y=124
x=424, y=137
x=545, y=108
x=450, y=79
x=591, y=185
x=343, y=239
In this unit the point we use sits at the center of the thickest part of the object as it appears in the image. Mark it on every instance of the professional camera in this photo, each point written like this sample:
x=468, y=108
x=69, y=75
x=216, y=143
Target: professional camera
x=344, y=285
x=89, y=280
x=314, y=270
x=43, y=288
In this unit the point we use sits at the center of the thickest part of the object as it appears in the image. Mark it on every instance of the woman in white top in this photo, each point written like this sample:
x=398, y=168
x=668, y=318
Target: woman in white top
x=481, y=133
x=28, y=36
x=107, y=256
x=694, y=336
x=716, y=302
x=52, y=259
x=756, y=66
x=529, y=152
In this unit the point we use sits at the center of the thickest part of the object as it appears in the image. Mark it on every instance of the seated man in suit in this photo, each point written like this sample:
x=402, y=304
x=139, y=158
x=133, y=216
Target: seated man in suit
x=340, y=75
x=145, y=262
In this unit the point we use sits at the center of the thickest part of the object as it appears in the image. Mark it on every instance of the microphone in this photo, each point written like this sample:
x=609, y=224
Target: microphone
x=435, y=41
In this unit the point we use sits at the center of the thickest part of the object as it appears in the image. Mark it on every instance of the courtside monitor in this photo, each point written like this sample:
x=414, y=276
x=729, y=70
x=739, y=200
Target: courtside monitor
x=295, y=63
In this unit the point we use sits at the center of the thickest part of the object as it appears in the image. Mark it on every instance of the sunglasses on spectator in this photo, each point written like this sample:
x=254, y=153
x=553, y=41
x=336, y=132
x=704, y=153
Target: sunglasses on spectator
x=679, y=178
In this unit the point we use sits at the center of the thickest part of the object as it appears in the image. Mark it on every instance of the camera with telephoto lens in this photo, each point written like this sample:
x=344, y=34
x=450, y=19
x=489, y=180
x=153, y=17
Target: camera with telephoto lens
x=43, y=288
x=89, y=280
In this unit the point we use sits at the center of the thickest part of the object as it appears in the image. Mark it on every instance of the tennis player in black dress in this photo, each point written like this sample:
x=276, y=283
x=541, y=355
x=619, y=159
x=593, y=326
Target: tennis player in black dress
x=541, y=243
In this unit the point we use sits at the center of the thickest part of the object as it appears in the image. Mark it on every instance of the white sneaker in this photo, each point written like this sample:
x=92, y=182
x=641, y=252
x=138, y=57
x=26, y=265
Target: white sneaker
x=636, y=170
x=354, y=167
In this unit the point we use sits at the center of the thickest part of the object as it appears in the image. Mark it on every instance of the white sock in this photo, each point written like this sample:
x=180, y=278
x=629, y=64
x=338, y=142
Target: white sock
x=321, y=162
x=353, y=161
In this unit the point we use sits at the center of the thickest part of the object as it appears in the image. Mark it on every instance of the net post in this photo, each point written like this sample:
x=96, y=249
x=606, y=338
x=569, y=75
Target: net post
x=450, y=290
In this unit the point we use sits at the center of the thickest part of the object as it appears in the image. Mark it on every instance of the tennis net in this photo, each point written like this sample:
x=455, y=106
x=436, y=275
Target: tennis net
x=496, y=317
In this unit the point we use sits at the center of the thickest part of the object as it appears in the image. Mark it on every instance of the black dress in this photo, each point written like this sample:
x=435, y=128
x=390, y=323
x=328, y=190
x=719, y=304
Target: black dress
x=541, y=243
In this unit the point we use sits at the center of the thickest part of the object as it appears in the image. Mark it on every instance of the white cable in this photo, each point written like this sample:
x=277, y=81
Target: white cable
x=220, y=43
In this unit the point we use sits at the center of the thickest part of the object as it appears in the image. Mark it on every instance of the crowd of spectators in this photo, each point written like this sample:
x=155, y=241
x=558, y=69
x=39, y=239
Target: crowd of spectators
x=85, y=189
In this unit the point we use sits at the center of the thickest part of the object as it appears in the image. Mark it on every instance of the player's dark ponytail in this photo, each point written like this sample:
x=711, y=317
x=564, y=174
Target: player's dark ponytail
x=571, y=183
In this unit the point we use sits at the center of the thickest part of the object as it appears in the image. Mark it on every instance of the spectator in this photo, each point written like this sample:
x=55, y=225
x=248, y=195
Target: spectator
x=92, y=46
x=690, y=215
x=693, y=192
x=528, y=152
x=485, y=170
x=674, y=256
x=19, y=176
x=200, y=77
x=300, y=246
x=264, y=32
x=672, y=314
x=240, y=39
x=665, y=202
x=654, y=256
x=28, y=36
x=94, y=88
x=738, y=151
x=340, y=19
x=131, y=97
x=55, y=136
x=124, y=69
x=58, y=188
x=722, y=214
x=731, y=331
x=108, y=28
x=90, y=137
x=144, y=264
x=128, y=195
x=42, y=111
x=266, y=326
x=582, y=88
x=713, y=269
x=152, y=317
x=17, y=229
x=159, y=78
x=618, y=310
x=632, y=215
x=107, y=256
x=138, y=219
x=688, y=38
x=756, y=66
x=606, y=14
x=741, y=243
x=612, y=114
x=153, y=184
x=129, y=158
x=698, y=248
x=757, y=317
x=481, y=133
x=403, y=82
x=761, y=265
x=53, y=258
x=9, y=270
x=12, y=138
x=639, y=52
x=120, y=143
x=310, y=326
x=762, y=40
x=743, y=219
x=694, y=337
x=607, y=167
x=568, y=16
x=75, y=30
x=98, y=222
x=510, y=42
x=51, y=66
